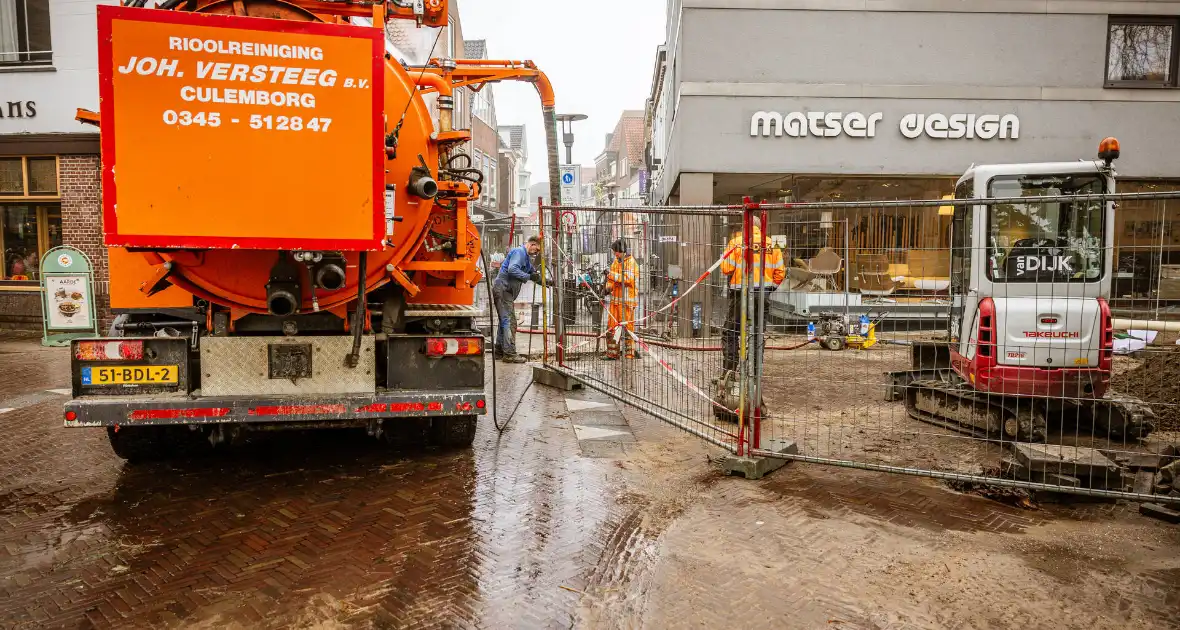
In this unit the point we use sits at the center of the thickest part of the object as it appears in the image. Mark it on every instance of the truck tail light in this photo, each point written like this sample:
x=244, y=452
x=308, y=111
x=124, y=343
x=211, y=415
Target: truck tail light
x=987, y=334
x=1106, y=345
x=106, y=350
x=454, y=346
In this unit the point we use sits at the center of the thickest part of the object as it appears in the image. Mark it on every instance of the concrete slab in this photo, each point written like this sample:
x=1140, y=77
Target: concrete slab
x=1168, y=473
x=588, y=394
x=1148, y=461
x=759, y=467
x=602, y=449
x=599, y=418
x=1154, y=510
x=546, y=376
x=1144, y=480
x=1075, y=461
x=607, y=434
x=1011, y=468
x=577, y=404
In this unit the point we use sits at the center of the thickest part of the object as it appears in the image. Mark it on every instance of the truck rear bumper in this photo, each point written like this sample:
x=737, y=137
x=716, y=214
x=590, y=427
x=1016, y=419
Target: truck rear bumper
x=103, y=411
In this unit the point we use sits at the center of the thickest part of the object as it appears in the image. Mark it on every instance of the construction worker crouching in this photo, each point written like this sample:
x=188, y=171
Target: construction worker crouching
x=516, y=270
x=621, y=297
x=733, y=266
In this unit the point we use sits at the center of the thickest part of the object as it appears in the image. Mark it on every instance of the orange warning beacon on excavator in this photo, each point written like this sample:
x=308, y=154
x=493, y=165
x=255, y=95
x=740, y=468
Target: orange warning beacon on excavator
x=287, y=222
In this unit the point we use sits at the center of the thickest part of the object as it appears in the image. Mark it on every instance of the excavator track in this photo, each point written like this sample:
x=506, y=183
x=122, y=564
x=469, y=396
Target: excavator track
x=1117, y=416
x=943, y=399
x=957, y=407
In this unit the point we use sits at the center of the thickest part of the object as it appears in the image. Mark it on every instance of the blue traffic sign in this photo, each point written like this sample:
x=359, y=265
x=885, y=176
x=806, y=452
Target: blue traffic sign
x=567, y=178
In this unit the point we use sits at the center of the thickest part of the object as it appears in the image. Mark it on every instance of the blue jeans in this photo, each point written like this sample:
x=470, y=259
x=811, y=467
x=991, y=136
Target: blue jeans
x=506, y=328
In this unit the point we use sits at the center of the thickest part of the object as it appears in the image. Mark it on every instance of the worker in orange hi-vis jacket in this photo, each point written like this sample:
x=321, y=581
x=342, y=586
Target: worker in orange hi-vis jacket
x=621, y=296
x=733, y=266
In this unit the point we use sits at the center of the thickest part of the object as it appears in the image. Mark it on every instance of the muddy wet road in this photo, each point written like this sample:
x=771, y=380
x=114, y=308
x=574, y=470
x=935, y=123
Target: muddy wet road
x=541, y=527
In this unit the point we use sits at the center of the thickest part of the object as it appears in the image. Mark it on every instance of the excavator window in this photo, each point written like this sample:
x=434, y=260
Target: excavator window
x=1046, y=241
x=962, y=231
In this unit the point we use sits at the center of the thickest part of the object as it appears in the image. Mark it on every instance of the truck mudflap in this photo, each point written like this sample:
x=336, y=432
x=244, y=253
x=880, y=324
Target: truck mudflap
x=105, y=411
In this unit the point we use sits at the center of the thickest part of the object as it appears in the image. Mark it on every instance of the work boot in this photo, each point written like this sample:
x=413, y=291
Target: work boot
x=515, y=358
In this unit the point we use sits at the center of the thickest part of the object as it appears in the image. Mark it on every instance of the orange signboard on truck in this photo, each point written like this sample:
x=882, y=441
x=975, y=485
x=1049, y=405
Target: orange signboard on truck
x=240, y=132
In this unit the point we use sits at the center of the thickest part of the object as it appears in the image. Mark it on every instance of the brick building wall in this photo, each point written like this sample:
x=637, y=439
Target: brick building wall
x=80, y=178
x=20, y=310
x=81, y=218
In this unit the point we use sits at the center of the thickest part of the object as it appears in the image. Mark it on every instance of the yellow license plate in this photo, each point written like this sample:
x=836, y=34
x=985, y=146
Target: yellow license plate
x=133, y=375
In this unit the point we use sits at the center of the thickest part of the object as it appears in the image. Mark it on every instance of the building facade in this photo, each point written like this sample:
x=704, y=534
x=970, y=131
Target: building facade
x=793, y=100
x=618, y=166
x=413, y=45
x=49, y=162
x=485, y=139
x=617, y=180
x=514, y=177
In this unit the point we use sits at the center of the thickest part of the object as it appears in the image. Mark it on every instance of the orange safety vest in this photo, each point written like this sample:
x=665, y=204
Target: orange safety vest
x=734, y=262
x=621, y=281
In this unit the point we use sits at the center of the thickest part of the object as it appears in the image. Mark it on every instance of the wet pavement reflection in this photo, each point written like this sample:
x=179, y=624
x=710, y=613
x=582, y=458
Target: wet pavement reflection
x=301, y=529
x=333, y=529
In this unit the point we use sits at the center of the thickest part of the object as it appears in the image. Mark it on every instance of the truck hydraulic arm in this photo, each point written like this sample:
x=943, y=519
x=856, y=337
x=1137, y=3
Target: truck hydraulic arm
x=475, y=73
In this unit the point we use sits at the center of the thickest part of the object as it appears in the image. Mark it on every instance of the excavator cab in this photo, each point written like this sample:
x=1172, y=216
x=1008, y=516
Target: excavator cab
x=1030, y=337
x=1031, y=279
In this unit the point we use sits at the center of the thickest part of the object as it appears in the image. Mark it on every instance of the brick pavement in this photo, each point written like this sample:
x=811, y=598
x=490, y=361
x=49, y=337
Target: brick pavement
x=331, y=529
x=299, y=529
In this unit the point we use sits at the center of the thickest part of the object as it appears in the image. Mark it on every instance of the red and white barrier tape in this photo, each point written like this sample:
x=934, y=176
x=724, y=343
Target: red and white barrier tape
x=680, y=378
x=612, y=326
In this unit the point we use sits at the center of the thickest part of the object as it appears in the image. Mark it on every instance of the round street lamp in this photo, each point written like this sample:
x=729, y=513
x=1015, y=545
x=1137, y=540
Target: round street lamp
x=567, y=133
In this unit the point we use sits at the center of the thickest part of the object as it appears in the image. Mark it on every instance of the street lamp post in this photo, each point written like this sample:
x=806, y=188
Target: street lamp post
x=569, y=310
x=567, y=133
x=612, y=202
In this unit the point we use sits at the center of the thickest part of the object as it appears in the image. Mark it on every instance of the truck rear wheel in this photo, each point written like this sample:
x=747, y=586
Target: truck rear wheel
x=406, y=433
x=145, y=444
x=452, y=431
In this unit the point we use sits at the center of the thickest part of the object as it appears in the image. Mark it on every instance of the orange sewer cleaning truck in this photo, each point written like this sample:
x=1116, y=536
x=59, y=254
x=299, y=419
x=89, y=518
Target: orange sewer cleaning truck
x=285, y=212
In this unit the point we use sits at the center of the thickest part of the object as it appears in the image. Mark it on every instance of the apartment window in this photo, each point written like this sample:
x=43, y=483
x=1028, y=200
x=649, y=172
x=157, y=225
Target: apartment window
x=30, y=216
x=1141, y=52
x=485, y=190
x=492, y=180
x=24, y=33
x=510, y=194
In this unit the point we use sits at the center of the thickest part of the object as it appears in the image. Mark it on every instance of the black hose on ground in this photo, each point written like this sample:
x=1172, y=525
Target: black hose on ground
x=493, y=317
x=358, y=326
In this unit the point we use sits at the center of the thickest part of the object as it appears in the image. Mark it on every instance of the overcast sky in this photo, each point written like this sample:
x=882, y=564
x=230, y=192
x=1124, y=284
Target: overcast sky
x=599, y=56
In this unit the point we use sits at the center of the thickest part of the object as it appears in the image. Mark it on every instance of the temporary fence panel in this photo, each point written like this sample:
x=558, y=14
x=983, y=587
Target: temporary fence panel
x=975, y=340
x=642, y=326
x=994, y=341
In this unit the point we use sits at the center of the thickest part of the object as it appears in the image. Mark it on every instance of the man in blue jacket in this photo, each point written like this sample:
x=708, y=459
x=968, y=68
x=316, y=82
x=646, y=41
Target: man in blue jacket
x=516, y=270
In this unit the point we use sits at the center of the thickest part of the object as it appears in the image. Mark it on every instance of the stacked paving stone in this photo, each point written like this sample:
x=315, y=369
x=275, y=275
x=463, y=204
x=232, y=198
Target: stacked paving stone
x=1082, y=467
